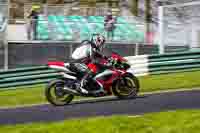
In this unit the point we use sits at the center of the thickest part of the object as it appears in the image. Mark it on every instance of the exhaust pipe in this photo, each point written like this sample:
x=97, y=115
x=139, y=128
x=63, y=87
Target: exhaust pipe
x=71, y=91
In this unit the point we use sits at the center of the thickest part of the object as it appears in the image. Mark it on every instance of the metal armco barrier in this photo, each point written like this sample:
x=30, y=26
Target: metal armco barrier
x=140, y=66
x=27, y=76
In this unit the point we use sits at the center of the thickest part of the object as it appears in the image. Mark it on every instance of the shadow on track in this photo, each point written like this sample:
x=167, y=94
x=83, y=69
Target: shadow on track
x=106, y=99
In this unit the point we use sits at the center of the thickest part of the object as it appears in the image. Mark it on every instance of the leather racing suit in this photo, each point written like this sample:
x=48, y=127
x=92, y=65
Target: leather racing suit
x=85, y=53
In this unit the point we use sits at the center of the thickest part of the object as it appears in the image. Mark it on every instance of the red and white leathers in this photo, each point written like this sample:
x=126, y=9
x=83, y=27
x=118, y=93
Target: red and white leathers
x=88, y=52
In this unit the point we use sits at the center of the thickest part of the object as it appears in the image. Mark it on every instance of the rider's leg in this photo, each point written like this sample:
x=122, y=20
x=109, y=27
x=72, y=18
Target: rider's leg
x=86, y=78
x=88, y=75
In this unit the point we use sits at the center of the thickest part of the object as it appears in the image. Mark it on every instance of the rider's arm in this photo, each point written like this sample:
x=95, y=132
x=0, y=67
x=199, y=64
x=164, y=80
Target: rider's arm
x=96, y=56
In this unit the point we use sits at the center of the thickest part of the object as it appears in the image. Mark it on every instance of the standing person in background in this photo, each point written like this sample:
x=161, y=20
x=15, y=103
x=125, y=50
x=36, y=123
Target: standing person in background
x=109, y=24
x=32, y=26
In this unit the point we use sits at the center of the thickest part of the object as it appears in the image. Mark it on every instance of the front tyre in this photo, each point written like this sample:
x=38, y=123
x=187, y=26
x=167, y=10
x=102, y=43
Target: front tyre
x=56, y=95
x=127, y=87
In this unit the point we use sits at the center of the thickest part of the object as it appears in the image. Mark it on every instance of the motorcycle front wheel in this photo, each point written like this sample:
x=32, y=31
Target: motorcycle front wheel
x=127, y=87
x=56, y=95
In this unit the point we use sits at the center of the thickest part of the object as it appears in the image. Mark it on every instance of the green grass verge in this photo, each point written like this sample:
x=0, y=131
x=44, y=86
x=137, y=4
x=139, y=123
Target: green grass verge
x=35, y=94
x=22, y=96
x=182, y=121
x=170, y=81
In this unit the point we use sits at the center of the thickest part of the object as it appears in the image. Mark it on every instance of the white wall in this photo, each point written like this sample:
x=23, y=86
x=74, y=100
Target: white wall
x=16, y=32
x=195, y=36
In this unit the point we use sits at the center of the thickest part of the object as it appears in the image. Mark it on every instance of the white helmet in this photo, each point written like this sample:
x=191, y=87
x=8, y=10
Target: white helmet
x=99, y=41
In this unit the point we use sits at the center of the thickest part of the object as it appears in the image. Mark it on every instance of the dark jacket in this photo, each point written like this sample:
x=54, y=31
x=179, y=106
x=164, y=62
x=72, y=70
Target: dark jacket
x=33, y=15
x=109, y=23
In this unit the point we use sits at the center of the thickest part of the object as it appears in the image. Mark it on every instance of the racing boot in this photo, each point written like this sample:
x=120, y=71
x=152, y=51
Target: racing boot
x=88, y=77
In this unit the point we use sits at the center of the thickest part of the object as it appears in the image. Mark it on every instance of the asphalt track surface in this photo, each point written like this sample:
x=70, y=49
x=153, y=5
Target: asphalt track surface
x=104, y=107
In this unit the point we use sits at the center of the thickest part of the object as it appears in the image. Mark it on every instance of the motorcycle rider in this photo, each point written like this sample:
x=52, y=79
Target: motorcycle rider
x=89, y=51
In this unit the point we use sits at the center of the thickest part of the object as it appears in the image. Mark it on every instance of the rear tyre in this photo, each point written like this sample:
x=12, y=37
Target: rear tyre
x=56, y=95
x=127, y=87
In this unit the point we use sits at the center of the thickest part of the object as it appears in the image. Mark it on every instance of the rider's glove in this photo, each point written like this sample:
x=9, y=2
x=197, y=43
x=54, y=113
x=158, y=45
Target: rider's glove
x=105, y=57
x=108, y=64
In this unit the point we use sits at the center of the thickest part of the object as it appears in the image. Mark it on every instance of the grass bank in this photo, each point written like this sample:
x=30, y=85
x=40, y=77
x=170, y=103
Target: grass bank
x=182, y=121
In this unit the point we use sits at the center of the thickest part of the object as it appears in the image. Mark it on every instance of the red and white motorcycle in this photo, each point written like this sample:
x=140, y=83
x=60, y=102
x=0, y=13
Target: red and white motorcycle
x=116, y=80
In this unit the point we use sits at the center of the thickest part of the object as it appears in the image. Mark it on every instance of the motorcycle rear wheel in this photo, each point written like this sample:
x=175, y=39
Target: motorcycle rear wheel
x=56, y=95
x=128, y=90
